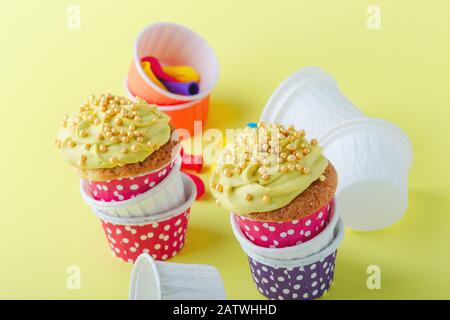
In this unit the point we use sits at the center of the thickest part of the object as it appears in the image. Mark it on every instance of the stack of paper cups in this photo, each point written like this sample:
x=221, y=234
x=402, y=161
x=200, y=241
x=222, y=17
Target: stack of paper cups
x=301, y=272
x=174, y=45
x=153, y=222
x=372, y=156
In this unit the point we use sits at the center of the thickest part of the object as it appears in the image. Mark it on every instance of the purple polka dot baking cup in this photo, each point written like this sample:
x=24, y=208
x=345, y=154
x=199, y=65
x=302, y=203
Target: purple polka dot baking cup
x=296, y=279
x=294, y=283
x=165, y=196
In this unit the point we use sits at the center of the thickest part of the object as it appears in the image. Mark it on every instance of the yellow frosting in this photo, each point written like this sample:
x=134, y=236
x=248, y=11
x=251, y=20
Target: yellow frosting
x=110, y=131
x=265, y=168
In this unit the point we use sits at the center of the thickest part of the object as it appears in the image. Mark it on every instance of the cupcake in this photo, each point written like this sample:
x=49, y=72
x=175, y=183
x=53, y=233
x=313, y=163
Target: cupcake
x=279, y=185
x=121, y=148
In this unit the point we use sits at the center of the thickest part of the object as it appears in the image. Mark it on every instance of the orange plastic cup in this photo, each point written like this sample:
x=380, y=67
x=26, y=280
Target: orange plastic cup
x=183, y=115
x=174, y=45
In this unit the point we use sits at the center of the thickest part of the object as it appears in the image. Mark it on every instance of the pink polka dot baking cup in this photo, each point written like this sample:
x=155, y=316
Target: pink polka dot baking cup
x=167, y=195
x=161, y=236
x=285, y=234
x=127, y=188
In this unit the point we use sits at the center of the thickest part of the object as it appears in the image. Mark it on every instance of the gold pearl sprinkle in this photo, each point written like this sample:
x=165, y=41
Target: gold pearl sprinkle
x=124, y=150
x=306, y=170
x=125, y=139
x=291, y=167
x=306, y=151
x=119, y=121
x=291, y=127
x=113, y=160
x=302, y=133
x=266, y=198
x=248, y=196
x=291, y=158
x=140, y=139
x=71, y=144
x=155, y=120
x=87, y=146
x=299, y=155
x=108, y=134
x=266, y=177
x=83, y=133
x=238, y=170
x=137, y=118
x=83, y=157
x=134, y=148
x=284, y=169
x=102, y=148
x=100, y=136
x=115, y=139
x=219, y=188
x=322, y=178
x=283, y=155
x=132, y=127
x=299, y=167
x=313, y=142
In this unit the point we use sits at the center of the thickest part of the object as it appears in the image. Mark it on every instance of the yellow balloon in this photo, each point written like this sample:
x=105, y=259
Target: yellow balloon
x=148, y=71
x=182, y=73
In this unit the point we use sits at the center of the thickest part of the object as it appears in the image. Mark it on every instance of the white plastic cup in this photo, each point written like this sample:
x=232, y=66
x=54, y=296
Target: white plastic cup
x=310, y=99
x=155, y=280
x=165, y=196
x=302, y=250
x=372, y=158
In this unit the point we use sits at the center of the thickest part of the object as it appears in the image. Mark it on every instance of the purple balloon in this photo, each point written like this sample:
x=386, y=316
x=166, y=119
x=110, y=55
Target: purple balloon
x=183, y=88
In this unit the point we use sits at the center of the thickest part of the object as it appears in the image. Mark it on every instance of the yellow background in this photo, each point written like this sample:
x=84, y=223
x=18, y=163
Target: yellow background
x=399, y=73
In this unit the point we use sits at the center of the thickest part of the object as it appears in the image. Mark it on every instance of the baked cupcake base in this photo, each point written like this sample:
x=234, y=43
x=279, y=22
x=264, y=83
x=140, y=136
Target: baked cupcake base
x=316, y=196
x=156, y=160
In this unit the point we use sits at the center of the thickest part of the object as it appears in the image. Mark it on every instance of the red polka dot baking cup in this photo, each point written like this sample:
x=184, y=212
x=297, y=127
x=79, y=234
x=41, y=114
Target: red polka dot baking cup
x=304, y=278
x=127, y=188
x=302, y=250
x=161, y=236
x=167, y=195
x=285, y=234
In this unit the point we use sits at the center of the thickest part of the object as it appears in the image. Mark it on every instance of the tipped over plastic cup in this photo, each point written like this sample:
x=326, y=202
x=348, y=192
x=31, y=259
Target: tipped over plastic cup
x=372, y=158
x=156, y=280
x=310, y=99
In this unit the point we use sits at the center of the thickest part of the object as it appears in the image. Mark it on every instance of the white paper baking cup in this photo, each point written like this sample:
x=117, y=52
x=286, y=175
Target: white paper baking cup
x=286, y=262
x=310, y=99
x=177, y=45
x=372, y=158
x=302, y=250
x=165, y=196
x=154, y=280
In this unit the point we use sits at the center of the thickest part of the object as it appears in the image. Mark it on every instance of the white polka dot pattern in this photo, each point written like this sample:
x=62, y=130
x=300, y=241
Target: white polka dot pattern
x=298, y=283
x=127, y=188
x=158, y=239
x=285, y=234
